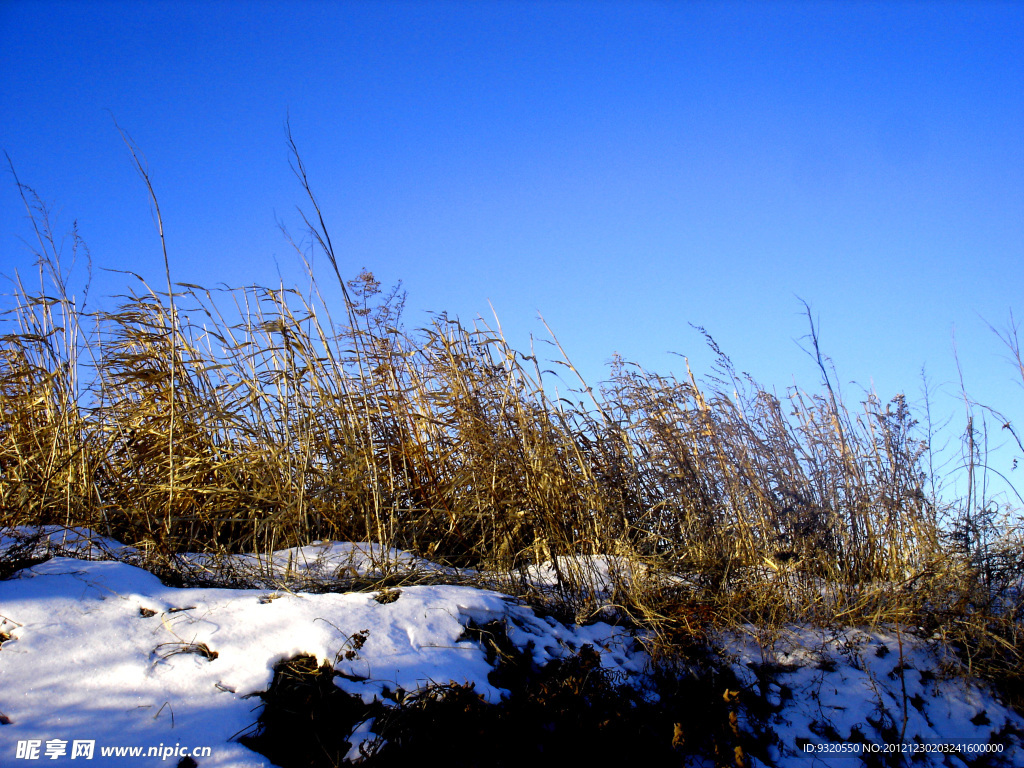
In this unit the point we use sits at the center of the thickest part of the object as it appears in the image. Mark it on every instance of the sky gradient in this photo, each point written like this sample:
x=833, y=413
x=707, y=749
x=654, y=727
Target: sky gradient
x=625, y=169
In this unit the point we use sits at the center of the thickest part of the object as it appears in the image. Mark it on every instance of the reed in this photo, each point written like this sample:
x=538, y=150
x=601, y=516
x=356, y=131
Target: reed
x=250, y=419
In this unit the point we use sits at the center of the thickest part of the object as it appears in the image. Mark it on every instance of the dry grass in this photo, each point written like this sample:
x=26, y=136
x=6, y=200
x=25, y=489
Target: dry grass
x=250, y=419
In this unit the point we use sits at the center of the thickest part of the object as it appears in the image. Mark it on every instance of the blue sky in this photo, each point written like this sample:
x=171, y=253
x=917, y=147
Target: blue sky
x=624, y=168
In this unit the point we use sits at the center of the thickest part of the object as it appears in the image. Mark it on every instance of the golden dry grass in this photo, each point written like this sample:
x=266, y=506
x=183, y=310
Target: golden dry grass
x=250, y=419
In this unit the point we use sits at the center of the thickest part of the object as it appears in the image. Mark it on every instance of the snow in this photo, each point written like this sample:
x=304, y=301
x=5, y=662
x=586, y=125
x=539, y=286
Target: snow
x=889, y=687
x=99, y=649
x=102, y=650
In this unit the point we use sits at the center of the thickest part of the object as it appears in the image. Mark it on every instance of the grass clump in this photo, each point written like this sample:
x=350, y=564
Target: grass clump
x=251, y=419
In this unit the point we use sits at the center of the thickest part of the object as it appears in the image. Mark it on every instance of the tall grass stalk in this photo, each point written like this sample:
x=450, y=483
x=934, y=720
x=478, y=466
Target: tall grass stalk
x=248, y=419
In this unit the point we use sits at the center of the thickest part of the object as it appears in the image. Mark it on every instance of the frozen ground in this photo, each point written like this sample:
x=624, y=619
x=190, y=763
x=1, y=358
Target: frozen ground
x=101, y=652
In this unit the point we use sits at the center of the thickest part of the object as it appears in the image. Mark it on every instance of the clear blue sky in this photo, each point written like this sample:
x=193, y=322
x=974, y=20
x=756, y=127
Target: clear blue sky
x=625, y=168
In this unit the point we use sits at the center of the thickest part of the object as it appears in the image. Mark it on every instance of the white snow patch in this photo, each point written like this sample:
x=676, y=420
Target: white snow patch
x=835, y=687
x=100, y=650
x=103, y=651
